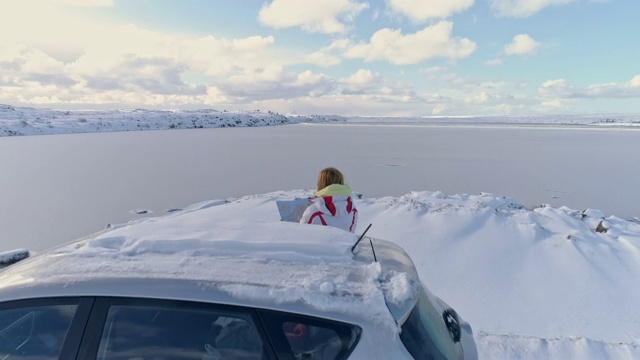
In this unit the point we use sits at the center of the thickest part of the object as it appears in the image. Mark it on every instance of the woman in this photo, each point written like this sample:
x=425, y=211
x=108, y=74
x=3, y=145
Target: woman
x=332, y=205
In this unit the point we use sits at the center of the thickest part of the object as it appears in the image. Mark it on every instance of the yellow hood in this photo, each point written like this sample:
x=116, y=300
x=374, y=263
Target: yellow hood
x=335, y=189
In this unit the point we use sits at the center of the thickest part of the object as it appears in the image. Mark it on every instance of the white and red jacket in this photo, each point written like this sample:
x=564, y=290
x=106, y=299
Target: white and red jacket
x=332, y=206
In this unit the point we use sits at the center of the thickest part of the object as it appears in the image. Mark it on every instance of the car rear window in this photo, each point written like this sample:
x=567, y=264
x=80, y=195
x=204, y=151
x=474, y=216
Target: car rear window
x=36, y=332
x=300, y=337
x=425, y=334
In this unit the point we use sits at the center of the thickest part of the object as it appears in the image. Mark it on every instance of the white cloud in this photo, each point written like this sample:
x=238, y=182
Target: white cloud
x=554, y=103
x=522, y=44
x=396, y=48
x=323, y=59
x=613, y=90
x=523, y=8
x=96, y=46
x=432, y=70
x=438, y=109
x=363, y=81
x=29, y=60
x=275, y=82
x=217, y=56
x=375, y=15
x=82, y=60
x=362, y=77
x=558, y=87
x=56, y=3
x=459, y=82
x=85, y=3
x=128, y=57
x=423, y=10
x=109, y=48
x=433, y=73
x=349, y=105
x=47, y=27
x=329, y=55
x=480, y=98
x=494, y=62
x=326, y=16
x=561, y=88
x=375, y=87
x=493, y=85
x=463, y=95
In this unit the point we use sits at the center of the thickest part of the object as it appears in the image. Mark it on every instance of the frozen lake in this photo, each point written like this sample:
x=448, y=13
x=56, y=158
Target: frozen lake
x=56, y=188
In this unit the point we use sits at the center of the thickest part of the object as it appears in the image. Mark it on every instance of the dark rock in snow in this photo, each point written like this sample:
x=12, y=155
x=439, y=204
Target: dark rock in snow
x=601, y=228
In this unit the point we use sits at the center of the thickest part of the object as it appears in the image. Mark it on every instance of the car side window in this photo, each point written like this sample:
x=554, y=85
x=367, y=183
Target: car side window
x=150, y=332
x=301, y=337
x=34, y=332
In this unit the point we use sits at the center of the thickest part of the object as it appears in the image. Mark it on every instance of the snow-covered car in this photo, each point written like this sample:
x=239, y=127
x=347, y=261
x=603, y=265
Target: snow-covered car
x=183, y=287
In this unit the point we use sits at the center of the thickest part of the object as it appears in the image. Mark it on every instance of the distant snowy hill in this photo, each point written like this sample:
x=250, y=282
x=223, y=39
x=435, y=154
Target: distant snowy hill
x=15, y=121
x=557, y=119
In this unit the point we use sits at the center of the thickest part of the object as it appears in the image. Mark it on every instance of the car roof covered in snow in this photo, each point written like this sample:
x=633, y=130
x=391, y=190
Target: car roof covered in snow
x=186, y=256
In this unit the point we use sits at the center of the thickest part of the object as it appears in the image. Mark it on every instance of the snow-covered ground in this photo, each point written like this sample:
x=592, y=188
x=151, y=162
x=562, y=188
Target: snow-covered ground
x=544, y=283
x=16, y=121
x=535, y=283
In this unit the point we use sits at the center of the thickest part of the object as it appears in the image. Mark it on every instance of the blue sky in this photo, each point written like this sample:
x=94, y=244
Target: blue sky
x=345, y=57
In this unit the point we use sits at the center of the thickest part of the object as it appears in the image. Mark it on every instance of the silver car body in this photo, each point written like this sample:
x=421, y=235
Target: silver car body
x=104, y=265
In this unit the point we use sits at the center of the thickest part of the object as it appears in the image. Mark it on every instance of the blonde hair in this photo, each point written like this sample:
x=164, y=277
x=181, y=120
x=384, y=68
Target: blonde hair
x=329, y=176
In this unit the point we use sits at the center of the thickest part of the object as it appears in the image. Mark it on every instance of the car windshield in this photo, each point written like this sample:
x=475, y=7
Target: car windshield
x=425, y=334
